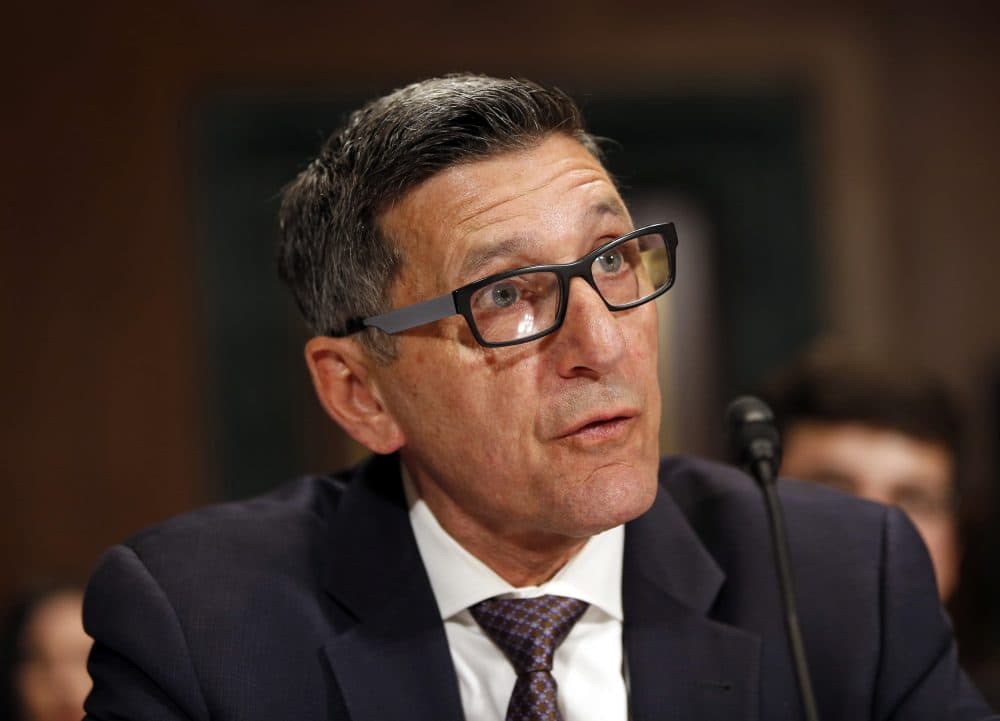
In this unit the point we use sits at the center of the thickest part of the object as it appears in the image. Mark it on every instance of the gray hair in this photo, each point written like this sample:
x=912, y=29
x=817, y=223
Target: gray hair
x=333, y=254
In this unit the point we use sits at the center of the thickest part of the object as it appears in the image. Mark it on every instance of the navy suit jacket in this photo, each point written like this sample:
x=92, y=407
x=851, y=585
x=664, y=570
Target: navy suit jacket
x=313, y=603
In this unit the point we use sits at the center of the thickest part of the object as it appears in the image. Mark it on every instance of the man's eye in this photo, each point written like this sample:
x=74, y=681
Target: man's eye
x=611, y=262
x=503, y=295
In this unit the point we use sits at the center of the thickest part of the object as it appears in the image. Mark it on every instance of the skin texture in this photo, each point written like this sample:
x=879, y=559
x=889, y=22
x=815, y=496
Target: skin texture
x=521, y=452
x=53, y=682
x=889, y=467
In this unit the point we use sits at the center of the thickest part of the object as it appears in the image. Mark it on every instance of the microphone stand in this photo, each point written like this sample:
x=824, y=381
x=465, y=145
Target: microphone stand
x=763, y=470
x=756, y=444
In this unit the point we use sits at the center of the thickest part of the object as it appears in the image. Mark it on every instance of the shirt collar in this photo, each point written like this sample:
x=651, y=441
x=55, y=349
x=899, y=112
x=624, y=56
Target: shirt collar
x=460, y=580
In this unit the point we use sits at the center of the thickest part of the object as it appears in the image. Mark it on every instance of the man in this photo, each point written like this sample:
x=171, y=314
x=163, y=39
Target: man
x=480, y=303
x=890, y=435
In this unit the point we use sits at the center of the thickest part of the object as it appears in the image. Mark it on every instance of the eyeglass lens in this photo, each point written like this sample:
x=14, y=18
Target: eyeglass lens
x=529, y=303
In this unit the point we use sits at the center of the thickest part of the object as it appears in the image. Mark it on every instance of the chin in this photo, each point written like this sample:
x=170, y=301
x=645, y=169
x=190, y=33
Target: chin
x=611, y=499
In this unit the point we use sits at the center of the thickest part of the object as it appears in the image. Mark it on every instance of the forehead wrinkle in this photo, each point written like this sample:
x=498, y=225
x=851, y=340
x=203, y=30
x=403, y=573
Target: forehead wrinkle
x=511, y=245
x=474, y=209
x=461, y=174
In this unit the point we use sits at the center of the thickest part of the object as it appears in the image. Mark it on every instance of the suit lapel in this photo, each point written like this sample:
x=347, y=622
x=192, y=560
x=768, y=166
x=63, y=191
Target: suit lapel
x=390, y=654
x=681, y=664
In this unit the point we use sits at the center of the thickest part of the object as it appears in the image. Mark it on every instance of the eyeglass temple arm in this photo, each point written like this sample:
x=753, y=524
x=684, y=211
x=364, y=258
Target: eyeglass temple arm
x=428, y=311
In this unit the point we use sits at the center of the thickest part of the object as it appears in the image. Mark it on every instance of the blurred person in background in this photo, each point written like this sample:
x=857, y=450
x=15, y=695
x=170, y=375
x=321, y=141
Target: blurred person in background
x=888, y=434
x=45, y=656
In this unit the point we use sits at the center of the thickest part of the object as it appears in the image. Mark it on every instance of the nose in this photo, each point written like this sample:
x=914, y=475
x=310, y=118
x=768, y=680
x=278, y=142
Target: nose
x=590, y=341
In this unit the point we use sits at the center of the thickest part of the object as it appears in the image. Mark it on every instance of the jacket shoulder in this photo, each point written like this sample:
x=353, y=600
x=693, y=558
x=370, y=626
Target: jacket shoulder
x=707, y=490
x=835, y=540
x=220, y=608
x=289, y=514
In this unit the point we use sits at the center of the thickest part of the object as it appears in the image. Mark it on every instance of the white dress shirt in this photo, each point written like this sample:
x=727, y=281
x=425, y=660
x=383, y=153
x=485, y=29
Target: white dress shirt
x=587, y=665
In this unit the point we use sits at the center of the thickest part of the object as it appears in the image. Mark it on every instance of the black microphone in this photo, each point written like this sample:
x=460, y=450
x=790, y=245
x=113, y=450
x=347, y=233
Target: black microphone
x=756, y=446
x=754, y=442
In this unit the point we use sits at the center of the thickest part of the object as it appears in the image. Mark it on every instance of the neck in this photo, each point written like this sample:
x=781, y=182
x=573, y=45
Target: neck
x=522, y=557
x=521, y=561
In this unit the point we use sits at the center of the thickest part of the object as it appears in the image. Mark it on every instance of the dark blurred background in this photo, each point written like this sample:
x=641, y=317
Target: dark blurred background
x=832, y=170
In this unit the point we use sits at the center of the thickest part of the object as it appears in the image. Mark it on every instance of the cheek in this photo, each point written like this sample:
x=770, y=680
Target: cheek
x=643, y=352
x=464, y=396
x=644, y=333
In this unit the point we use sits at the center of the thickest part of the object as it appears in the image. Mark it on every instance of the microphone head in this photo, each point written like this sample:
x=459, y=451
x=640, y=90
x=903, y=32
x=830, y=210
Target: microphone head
x=753, y=435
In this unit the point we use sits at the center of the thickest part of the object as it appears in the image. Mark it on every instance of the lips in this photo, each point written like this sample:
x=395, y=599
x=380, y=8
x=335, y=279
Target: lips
x=600, y=422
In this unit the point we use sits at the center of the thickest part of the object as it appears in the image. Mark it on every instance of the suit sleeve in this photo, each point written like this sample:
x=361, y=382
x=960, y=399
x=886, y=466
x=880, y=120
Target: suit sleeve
x=919, y=676
x=140, y=664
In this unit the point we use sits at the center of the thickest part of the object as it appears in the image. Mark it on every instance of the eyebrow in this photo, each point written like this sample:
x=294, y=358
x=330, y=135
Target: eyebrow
x=478, y=258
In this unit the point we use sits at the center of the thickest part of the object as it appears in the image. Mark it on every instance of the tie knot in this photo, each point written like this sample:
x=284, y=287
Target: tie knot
x=528, y=630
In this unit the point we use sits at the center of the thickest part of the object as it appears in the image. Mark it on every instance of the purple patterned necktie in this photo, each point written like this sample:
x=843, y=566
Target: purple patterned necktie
x=528, y=631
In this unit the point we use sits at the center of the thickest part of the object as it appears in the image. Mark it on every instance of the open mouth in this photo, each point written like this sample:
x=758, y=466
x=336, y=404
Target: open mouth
x=601, y=424
x=600, y=428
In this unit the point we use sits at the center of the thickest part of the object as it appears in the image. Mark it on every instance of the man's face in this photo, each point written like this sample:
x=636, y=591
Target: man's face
x=889, y=467
x=552, y=438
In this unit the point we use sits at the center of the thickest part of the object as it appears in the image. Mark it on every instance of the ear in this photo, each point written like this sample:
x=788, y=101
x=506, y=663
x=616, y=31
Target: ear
x=344, y=386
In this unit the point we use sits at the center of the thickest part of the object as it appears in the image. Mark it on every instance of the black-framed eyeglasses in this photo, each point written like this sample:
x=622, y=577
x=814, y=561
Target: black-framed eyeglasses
x=522, y=305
